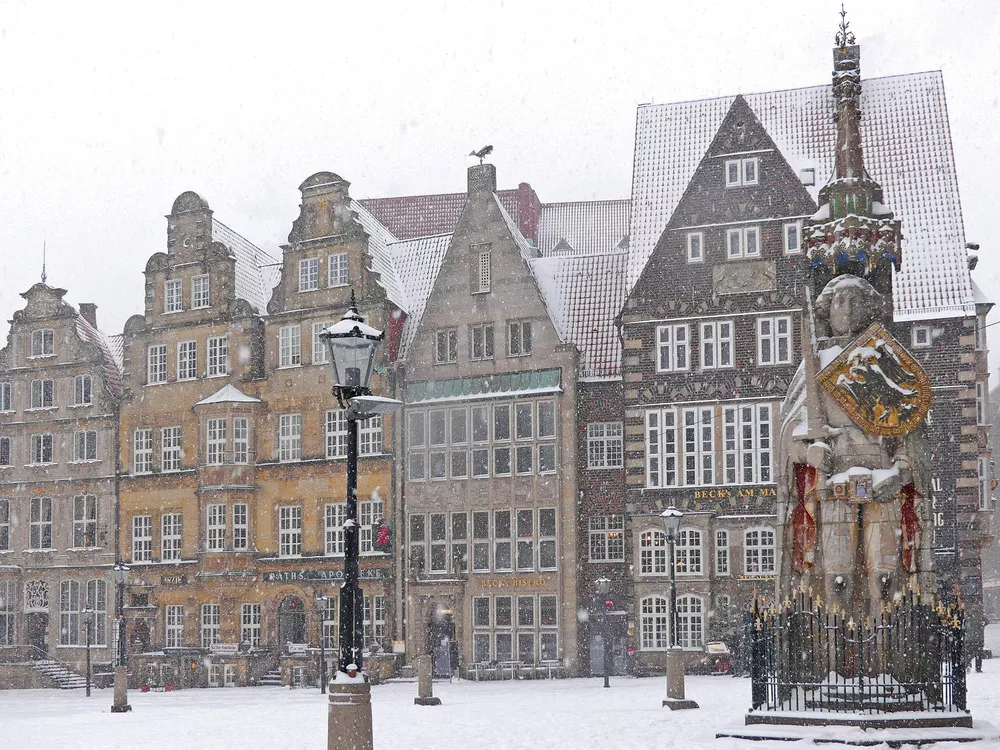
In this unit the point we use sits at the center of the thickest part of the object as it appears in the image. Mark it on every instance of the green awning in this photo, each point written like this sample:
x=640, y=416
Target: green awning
x=501, y=385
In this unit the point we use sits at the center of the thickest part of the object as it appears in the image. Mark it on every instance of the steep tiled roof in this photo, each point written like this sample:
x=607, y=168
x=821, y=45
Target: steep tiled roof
x=907, y=147
x=416, y=262
x=379, y=240
x=111, y=353
x=413, y=216
x=585, y=226
x=585, y=293
x=257, y=273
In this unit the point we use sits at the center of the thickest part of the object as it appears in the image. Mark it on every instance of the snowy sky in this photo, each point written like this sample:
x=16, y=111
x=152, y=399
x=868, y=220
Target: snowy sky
x=109, y=110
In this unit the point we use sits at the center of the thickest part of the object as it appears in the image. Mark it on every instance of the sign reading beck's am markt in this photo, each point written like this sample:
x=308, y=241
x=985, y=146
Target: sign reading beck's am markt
x=291, y=576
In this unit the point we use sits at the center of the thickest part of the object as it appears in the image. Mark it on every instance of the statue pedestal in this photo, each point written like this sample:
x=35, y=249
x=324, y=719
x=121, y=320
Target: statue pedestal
x=675, y=682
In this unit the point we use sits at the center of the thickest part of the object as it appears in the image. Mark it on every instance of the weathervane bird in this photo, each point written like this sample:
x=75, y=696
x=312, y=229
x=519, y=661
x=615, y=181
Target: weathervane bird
x=482, y=153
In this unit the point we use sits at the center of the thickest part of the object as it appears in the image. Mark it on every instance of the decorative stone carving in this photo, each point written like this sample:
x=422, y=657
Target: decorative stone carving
x=744, y=276
x=36, y=596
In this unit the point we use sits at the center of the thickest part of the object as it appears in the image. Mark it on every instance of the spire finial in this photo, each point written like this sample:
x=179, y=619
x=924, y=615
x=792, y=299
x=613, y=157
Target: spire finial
x=44, y=277
x=844, y=37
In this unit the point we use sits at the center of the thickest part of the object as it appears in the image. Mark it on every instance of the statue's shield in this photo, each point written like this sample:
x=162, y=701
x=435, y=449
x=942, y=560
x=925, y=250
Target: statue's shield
x=878, y=384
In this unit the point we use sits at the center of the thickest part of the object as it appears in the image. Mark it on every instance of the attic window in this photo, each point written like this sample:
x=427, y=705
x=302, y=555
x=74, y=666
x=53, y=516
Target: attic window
x=807, y=176
x=742, y=172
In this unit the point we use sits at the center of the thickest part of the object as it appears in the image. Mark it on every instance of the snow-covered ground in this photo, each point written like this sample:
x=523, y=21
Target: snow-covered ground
x=547, y=714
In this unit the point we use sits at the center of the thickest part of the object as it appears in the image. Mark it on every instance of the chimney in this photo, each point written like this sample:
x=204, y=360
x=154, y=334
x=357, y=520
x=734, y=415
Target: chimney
x=482, y=179
x=88, y=311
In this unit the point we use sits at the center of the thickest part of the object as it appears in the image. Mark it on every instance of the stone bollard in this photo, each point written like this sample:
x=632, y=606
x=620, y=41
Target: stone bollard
x=425, y=684
x=349, y=726
x=675, y=682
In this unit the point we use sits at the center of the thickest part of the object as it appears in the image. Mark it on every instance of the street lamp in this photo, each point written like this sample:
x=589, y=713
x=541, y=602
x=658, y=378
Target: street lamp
x=352, y=345
x=604, y=588
x=88, y=620
x=120, y=704
x=321, y=600
x=671, y=520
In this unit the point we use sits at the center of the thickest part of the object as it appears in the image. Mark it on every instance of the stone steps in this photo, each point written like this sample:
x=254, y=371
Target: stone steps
x=271, y=678
x=64, y=677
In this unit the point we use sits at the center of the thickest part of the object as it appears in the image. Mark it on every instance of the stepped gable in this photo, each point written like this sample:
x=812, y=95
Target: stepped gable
x=583, y=227
x=908, y=150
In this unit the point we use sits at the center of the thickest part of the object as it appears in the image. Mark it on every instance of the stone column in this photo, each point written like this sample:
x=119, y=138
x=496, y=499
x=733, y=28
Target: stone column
x=350, y=722
x=675, y=681
x=425, y=684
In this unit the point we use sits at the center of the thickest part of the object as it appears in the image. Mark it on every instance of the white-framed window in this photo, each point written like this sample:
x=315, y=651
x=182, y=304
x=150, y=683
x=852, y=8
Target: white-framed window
x=290, y=437
x=83, y=390
x=156, y=364
x=241, y=526
x=687, y=552
x=716, y=344
x=742, y=172
x=374, y=619
x=698, y=442
x=672, y=348
x=653, y=553
x=774, y=340
x=173, y=295
x=250, y=624
x=6, y=459
x=42, y=393
x=8, y=612
x=6, y=397
x=85, y=521
x=170, y=448
x=4, y=536
x=370, y=436
x=336, y=433
x=142, y=451
x=142, y=538
x=218, y=356
x=604, y=445
x=695, y=247
x=518, y=338
x=661, y=448
x=330, y=607
x=215, y=527
x=40, y=523
x=747, y=447
x=920, y=336
x=290, y=346
x=690, y=621
x=370, y=514
x=982, y=404
x=171, y=527
x=607, y=538
x=41, y=448
x=85, y=445
x=97, y=600
x=42, y=342
x=743, y=242
x=241, y=440
x=758, y=547
x=337, y=269
x=791, y=232
x=215, y=441
x=173, y=625
x=289, y=530
x=334, y=516
x=483, y=270
x=654, y=623
x=722, y=552
x=482, y=342
x=308, y=274
x=200, y=291
x=320, y=355
x=445, y=346
x=187, y=360
x=69, y=613
x=986, y=499
x=210, y=625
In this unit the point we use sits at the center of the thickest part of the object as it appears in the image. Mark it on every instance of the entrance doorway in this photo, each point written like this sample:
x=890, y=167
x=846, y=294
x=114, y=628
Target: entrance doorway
x=35, y=626
x=291, y=621
x=441, y=643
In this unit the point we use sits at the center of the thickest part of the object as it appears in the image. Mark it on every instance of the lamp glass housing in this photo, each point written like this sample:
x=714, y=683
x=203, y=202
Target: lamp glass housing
x=671, y=519
x=351, y=345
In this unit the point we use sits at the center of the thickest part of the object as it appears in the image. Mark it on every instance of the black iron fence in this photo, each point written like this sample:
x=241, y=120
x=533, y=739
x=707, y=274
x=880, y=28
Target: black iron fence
x=808, y=656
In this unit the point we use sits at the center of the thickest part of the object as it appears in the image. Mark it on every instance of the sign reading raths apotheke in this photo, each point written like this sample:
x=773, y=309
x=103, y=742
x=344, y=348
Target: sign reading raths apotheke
x=290, y=576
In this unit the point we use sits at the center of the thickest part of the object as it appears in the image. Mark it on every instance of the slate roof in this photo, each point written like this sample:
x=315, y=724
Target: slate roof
x=257, y=273
x=413, y=216
x=907, y=147
x=111, y=353
x=583, y=227
x=379, y=240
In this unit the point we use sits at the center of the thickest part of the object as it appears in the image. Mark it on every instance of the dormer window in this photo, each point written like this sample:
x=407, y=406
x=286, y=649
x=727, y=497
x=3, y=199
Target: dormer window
x=742, y=172
x=43, y=342
x=308, y=274
x=200, y=291
x=173, y=300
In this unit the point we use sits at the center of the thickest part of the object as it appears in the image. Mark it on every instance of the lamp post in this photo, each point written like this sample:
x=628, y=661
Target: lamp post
x=321, y=600
x=671, y=519
x=604, y=588
x=120, y=704
x=88, y=620
x=352, y=344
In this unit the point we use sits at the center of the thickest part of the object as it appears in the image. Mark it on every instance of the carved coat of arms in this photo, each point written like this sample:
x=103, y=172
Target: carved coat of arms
x=878, y=384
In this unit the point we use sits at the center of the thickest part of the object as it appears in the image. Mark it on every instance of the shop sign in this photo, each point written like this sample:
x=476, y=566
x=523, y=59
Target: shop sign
x=726, y=493
x=173, y=580
x=501, y=583
x=291, y=576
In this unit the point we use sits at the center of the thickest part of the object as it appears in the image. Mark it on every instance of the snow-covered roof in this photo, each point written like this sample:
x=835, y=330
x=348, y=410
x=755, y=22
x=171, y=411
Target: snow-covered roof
x=582, y=227
x=584, y=293
x=416, y=262
x=111, y=353
x=257, y=273
x=229, y=394
x=907, y=149
x=417, y=216
x=379, y=240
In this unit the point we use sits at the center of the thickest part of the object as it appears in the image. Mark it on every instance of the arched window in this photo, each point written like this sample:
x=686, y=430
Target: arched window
x=759, y=552
x=688, y=552
x=690, y=621
x=654, y=628
x=653, y=553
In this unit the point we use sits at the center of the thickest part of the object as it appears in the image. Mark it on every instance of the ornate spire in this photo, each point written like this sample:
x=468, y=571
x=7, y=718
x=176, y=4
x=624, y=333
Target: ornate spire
x=844, y=37
x=44, y=277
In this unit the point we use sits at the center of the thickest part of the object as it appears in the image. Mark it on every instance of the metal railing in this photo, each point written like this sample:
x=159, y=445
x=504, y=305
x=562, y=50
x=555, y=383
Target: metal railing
x=808, y=656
